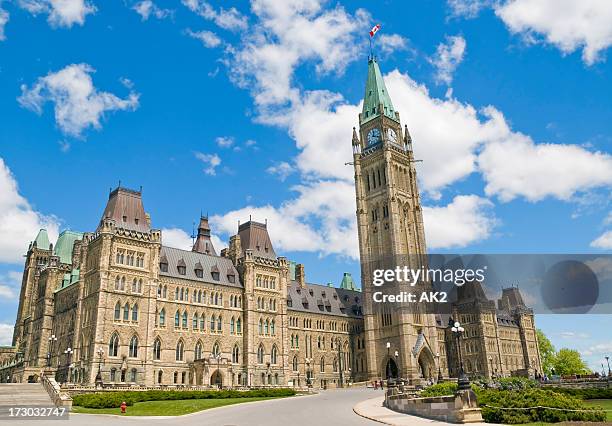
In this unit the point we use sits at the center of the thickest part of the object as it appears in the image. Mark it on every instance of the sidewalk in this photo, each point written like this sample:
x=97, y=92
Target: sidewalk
x=373, y=409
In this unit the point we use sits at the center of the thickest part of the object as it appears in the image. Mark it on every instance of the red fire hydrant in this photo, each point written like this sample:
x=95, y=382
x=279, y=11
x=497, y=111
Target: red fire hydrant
x=123, y=407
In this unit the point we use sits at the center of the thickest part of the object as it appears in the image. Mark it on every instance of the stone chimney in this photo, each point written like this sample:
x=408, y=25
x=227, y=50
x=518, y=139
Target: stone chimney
x=300, y=275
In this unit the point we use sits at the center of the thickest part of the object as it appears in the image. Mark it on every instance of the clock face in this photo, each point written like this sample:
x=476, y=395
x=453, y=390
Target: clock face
x=392, y=135
x=373, y=136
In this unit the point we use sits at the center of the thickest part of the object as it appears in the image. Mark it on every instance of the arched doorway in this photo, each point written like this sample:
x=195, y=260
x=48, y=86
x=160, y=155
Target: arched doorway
x=391, y=370
x=427, y=364
x=216, y=379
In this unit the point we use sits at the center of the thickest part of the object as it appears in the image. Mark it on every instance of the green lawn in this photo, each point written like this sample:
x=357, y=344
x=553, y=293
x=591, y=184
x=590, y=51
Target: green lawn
x=606, y=404
x=167, y=408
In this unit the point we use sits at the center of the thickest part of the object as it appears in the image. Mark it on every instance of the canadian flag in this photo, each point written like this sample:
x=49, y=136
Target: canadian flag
x=374, y=30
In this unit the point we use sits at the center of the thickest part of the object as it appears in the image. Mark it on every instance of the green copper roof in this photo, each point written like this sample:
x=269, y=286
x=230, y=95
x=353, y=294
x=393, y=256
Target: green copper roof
x=347, y=282
x=65, y=244
x=42, y=240
x=376, y=94
x=292, y=270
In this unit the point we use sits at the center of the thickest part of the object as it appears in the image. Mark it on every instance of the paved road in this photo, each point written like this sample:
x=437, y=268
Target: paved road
x=332, y=407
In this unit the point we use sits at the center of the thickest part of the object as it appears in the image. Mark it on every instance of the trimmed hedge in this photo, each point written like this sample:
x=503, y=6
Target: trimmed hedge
x=114, y=399
x=524, y=398
x=586, y=393
x=531, y=398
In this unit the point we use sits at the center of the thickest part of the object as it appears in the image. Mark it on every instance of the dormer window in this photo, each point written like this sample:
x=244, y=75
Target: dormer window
x=231, y=278
x=124, y=218
x=311, y=292
x=199, y=273
x=136, y=221
x=181, y=267
x=163, y=266
x=214, y=271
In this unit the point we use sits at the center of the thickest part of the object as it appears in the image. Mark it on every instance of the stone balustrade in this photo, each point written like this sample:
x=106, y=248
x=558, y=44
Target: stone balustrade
x=59, y=398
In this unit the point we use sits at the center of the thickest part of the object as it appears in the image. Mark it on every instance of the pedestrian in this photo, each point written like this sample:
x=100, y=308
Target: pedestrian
x=375, y=384
x=381, y=385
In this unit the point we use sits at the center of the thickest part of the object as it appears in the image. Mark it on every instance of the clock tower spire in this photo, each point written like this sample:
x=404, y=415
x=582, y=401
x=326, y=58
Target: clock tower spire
x=390, y=228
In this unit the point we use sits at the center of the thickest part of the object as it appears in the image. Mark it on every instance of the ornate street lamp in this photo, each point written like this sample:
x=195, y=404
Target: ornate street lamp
x=608, y=361
x=68, y=353
x=52, y=340
x=463, y=382
x=388, y=363
x=99, y=381
x=491, y=364
x=440, y=378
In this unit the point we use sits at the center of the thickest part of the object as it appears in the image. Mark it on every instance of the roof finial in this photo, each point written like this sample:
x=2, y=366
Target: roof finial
x=250, y=218
x=119, y=184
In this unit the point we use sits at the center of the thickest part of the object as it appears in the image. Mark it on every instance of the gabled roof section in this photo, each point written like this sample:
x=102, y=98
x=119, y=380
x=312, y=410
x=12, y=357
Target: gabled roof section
x=324, y=300
x=376, y=94
x=42, y=240
x=254, y=236
x=207, y=262
x=65, y=244
x=125, y=207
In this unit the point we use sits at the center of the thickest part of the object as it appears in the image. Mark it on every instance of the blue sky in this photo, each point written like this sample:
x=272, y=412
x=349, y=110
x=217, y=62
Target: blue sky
x=238, y=108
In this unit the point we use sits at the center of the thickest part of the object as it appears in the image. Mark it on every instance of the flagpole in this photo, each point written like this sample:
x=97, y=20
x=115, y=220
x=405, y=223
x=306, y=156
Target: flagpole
x=371, y=54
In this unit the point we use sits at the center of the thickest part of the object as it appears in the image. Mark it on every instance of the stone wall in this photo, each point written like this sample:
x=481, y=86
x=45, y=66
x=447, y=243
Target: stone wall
x=450, y=408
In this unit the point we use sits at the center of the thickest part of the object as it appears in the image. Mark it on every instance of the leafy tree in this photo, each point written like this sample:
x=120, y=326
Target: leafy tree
x=547, y=351
x=568, y=361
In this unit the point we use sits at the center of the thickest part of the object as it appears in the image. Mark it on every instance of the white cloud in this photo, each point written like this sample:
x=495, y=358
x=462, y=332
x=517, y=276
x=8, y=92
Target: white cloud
x=604, y=241
x=19, y=222
x=10, y=285
x=4, y=18
x=288, y=34
x=573, y=335
x=146, y=9
x=212, y=161
x=177, y=238
x=467, y=8
x=78, y=103
x=6, y=334
x=567, y=24
x=224, y=141
x=392, y=42
x=208, y=38
x=466, y=220
x=519, y=167
x=281, y=169
x=229, y=19
x=447, y=58
x=62, y=13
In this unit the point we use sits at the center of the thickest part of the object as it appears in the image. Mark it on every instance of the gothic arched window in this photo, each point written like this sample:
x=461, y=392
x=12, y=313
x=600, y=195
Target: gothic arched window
x=216, y=350
x=184, y=319
x=177, y=319
x=322, y=364
x=113, y=346
x=273, y=355
x=180, y=348
x=239, y=326
x=118, y=311
x=260, y=354
x=157, y=349
x=135, y=312
x=235, y=354
x=126, y=312
x=295, y=363
x=133, y=347
x=162, y=317
x=198, y=350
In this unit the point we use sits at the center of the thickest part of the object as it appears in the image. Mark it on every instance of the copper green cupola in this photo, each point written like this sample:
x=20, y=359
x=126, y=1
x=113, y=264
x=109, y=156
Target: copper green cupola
x=376, y=101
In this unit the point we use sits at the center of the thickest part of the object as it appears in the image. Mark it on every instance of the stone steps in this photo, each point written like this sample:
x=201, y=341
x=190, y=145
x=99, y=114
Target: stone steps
x=23, y=394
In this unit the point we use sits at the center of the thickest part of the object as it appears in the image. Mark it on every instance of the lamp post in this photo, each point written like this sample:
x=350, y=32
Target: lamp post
x=307, y=371
x=463, y=382
x=99, y=381
x=388, y=363
x=340, y=368
x=68, y=353
x=608, y=361
x=491, y=366
x=440, y=378
x=52, y=340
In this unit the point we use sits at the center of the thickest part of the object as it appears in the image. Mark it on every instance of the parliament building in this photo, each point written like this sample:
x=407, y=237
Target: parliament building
x=118, y=306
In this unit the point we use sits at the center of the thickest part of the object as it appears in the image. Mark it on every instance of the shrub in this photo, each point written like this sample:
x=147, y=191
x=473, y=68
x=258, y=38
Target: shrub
x=585, y=393
x=488, y=398
x=114, y=399
x=440, y=389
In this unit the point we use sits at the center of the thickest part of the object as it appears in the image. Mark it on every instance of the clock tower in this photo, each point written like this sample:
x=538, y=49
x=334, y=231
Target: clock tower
x=401, y=339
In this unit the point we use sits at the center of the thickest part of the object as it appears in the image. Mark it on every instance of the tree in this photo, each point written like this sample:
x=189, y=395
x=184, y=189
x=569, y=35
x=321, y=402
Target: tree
x=547, y=352
x=568, y=361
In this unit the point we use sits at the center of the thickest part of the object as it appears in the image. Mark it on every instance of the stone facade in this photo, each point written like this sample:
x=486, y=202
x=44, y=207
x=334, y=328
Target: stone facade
x=117, y=300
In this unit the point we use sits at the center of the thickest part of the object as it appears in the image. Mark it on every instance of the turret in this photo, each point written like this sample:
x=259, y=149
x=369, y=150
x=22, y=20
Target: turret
x=203, y=243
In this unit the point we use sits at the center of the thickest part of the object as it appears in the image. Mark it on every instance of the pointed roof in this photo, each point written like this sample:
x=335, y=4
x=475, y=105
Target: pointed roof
x=203, y=243
x=347, y=282
x=254, y=236
x=125, y=207
x=375, y=94
x=42, y=240
x=65, y=245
